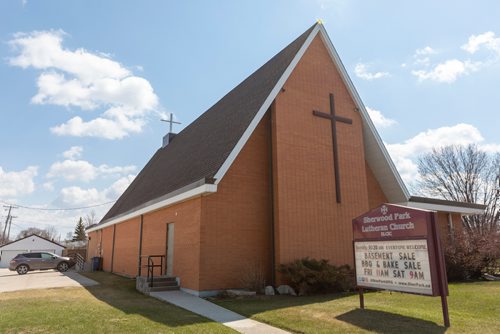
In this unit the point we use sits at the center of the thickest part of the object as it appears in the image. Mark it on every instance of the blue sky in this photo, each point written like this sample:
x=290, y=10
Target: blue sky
x=428, y=72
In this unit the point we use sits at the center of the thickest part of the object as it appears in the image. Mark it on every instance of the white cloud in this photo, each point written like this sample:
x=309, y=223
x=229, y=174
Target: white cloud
x=43, y=50
x=81, y=170
x=422, y=56
x=487, y=40
x=73, y=153
x=70, y=197
x=361, y=71
x=119, y=186
x=117, y=127
x=73, y=170
x=405, y=154
x=49, y=186
x=88, y=81
x=448, y=71
x=13, y=184
x=77, y=196
x=425, y=51
x=380, y=120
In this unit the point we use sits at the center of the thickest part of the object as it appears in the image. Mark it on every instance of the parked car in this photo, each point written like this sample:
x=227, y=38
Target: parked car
x=25, y=262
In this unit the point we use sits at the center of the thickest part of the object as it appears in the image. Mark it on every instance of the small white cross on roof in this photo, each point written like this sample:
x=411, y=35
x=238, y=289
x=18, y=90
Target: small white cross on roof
x=171, y=121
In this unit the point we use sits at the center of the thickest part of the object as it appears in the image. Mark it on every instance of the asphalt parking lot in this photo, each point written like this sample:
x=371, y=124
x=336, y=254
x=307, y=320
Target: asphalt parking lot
x=11, y=281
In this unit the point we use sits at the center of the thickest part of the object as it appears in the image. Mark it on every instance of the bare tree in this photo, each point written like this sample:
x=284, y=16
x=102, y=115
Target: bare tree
x=464, y=174
x=90, y=219
x=49, y=232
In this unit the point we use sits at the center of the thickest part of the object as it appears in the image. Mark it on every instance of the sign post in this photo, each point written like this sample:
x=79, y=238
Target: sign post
x=397, y=248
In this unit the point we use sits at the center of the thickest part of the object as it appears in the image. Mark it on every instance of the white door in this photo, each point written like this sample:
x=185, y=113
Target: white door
x=170, y=249
x=7, y=255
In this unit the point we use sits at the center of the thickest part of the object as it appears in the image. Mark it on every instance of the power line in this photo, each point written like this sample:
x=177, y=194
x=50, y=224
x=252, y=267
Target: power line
x=61, y=209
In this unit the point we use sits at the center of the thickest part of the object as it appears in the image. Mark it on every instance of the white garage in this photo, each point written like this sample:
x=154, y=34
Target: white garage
x=32, y=243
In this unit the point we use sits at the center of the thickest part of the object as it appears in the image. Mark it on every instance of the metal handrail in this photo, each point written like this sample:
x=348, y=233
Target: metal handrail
x=152, y=265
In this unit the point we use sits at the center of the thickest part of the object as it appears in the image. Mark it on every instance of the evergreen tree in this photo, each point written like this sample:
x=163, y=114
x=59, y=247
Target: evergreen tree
x=79, y=234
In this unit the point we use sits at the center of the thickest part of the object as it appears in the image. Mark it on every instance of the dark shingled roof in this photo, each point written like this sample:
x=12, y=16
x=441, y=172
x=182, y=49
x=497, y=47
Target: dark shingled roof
x=199, y=151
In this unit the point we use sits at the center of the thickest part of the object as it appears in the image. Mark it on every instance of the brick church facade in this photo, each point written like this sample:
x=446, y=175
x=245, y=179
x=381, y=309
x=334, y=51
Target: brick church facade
x=274, y=171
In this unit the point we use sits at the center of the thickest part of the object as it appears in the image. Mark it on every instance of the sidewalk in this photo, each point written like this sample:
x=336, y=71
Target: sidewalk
x=215, y=312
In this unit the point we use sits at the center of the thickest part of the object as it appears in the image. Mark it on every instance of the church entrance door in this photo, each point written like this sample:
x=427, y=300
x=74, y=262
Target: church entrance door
x=170, y=249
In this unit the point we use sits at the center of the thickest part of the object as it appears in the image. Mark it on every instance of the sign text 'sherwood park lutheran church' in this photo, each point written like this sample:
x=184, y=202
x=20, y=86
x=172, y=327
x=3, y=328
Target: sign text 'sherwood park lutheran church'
x=273, y=172
x=398, y=248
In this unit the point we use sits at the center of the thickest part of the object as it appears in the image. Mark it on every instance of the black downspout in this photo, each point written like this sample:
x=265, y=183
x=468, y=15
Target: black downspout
x=113, y=247
x=139, y=269
x=271, y=186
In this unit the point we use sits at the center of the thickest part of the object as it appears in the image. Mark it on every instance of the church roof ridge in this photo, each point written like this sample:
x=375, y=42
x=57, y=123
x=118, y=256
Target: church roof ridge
x=205, y=146
x=199, y=156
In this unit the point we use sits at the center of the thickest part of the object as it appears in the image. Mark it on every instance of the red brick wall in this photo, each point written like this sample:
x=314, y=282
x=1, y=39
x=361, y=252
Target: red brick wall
x=236, y=221
x=309, y=221
x=375, y=194
x=153, y=237
x=186, y=219
x=444, y=231
x=126, y=247
x=107, y=248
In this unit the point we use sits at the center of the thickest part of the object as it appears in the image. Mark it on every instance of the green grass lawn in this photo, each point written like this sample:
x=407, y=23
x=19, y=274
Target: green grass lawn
x=474, y=308
x=114, y=306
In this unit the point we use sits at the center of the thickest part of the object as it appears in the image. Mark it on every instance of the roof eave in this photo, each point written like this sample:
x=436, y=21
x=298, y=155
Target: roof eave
x=265, y=106
x=193, y=190
x=378, y=158
x=445, y=205
x=33, y=235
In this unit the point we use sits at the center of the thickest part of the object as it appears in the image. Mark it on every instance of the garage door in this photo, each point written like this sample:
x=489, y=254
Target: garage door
x=7, y=255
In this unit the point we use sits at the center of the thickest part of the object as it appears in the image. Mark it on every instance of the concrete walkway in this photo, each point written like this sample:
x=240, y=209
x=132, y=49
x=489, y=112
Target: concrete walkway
x=11, y=281
x=215, y=312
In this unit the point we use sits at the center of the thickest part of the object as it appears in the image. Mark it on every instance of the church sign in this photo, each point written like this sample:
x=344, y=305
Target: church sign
x=397, y=248
x=400, y=265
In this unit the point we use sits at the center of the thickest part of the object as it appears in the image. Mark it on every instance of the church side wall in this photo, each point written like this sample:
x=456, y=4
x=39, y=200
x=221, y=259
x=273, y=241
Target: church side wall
x=236, y=220
x=444, y=229
x=107, y=248
x=375, y=194
x=126, y=247
x=309, y=221
x=186, y=219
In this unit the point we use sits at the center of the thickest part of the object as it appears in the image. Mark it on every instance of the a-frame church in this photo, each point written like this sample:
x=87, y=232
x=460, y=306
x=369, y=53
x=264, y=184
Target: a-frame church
x=275, y=171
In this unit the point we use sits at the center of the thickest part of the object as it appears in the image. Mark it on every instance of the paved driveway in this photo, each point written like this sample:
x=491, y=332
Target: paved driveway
x=11, y=281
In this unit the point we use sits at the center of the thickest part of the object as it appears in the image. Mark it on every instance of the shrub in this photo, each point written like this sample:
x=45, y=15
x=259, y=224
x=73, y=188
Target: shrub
x=317, y=276
x=468, y=256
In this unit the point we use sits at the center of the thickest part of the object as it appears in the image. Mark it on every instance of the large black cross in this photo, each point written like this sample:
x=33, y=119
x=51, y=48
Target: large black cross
x=334, y=119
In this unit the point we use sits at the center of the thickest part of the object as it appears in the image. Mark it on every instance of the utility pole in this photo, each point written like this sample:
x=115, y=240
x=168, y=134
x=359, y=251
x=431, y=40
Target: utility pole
x=8, y=221
x=10, y=224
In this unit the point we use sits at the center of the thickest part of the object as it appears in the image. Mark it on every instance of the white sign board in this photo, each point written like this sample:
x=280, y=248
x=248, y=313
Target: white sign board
x=398, y=265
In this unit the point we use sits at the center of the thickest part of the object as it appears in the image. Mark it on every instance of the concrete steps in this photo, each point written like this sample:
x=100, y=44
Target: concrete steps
x=162, y=283
x=163, y=288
